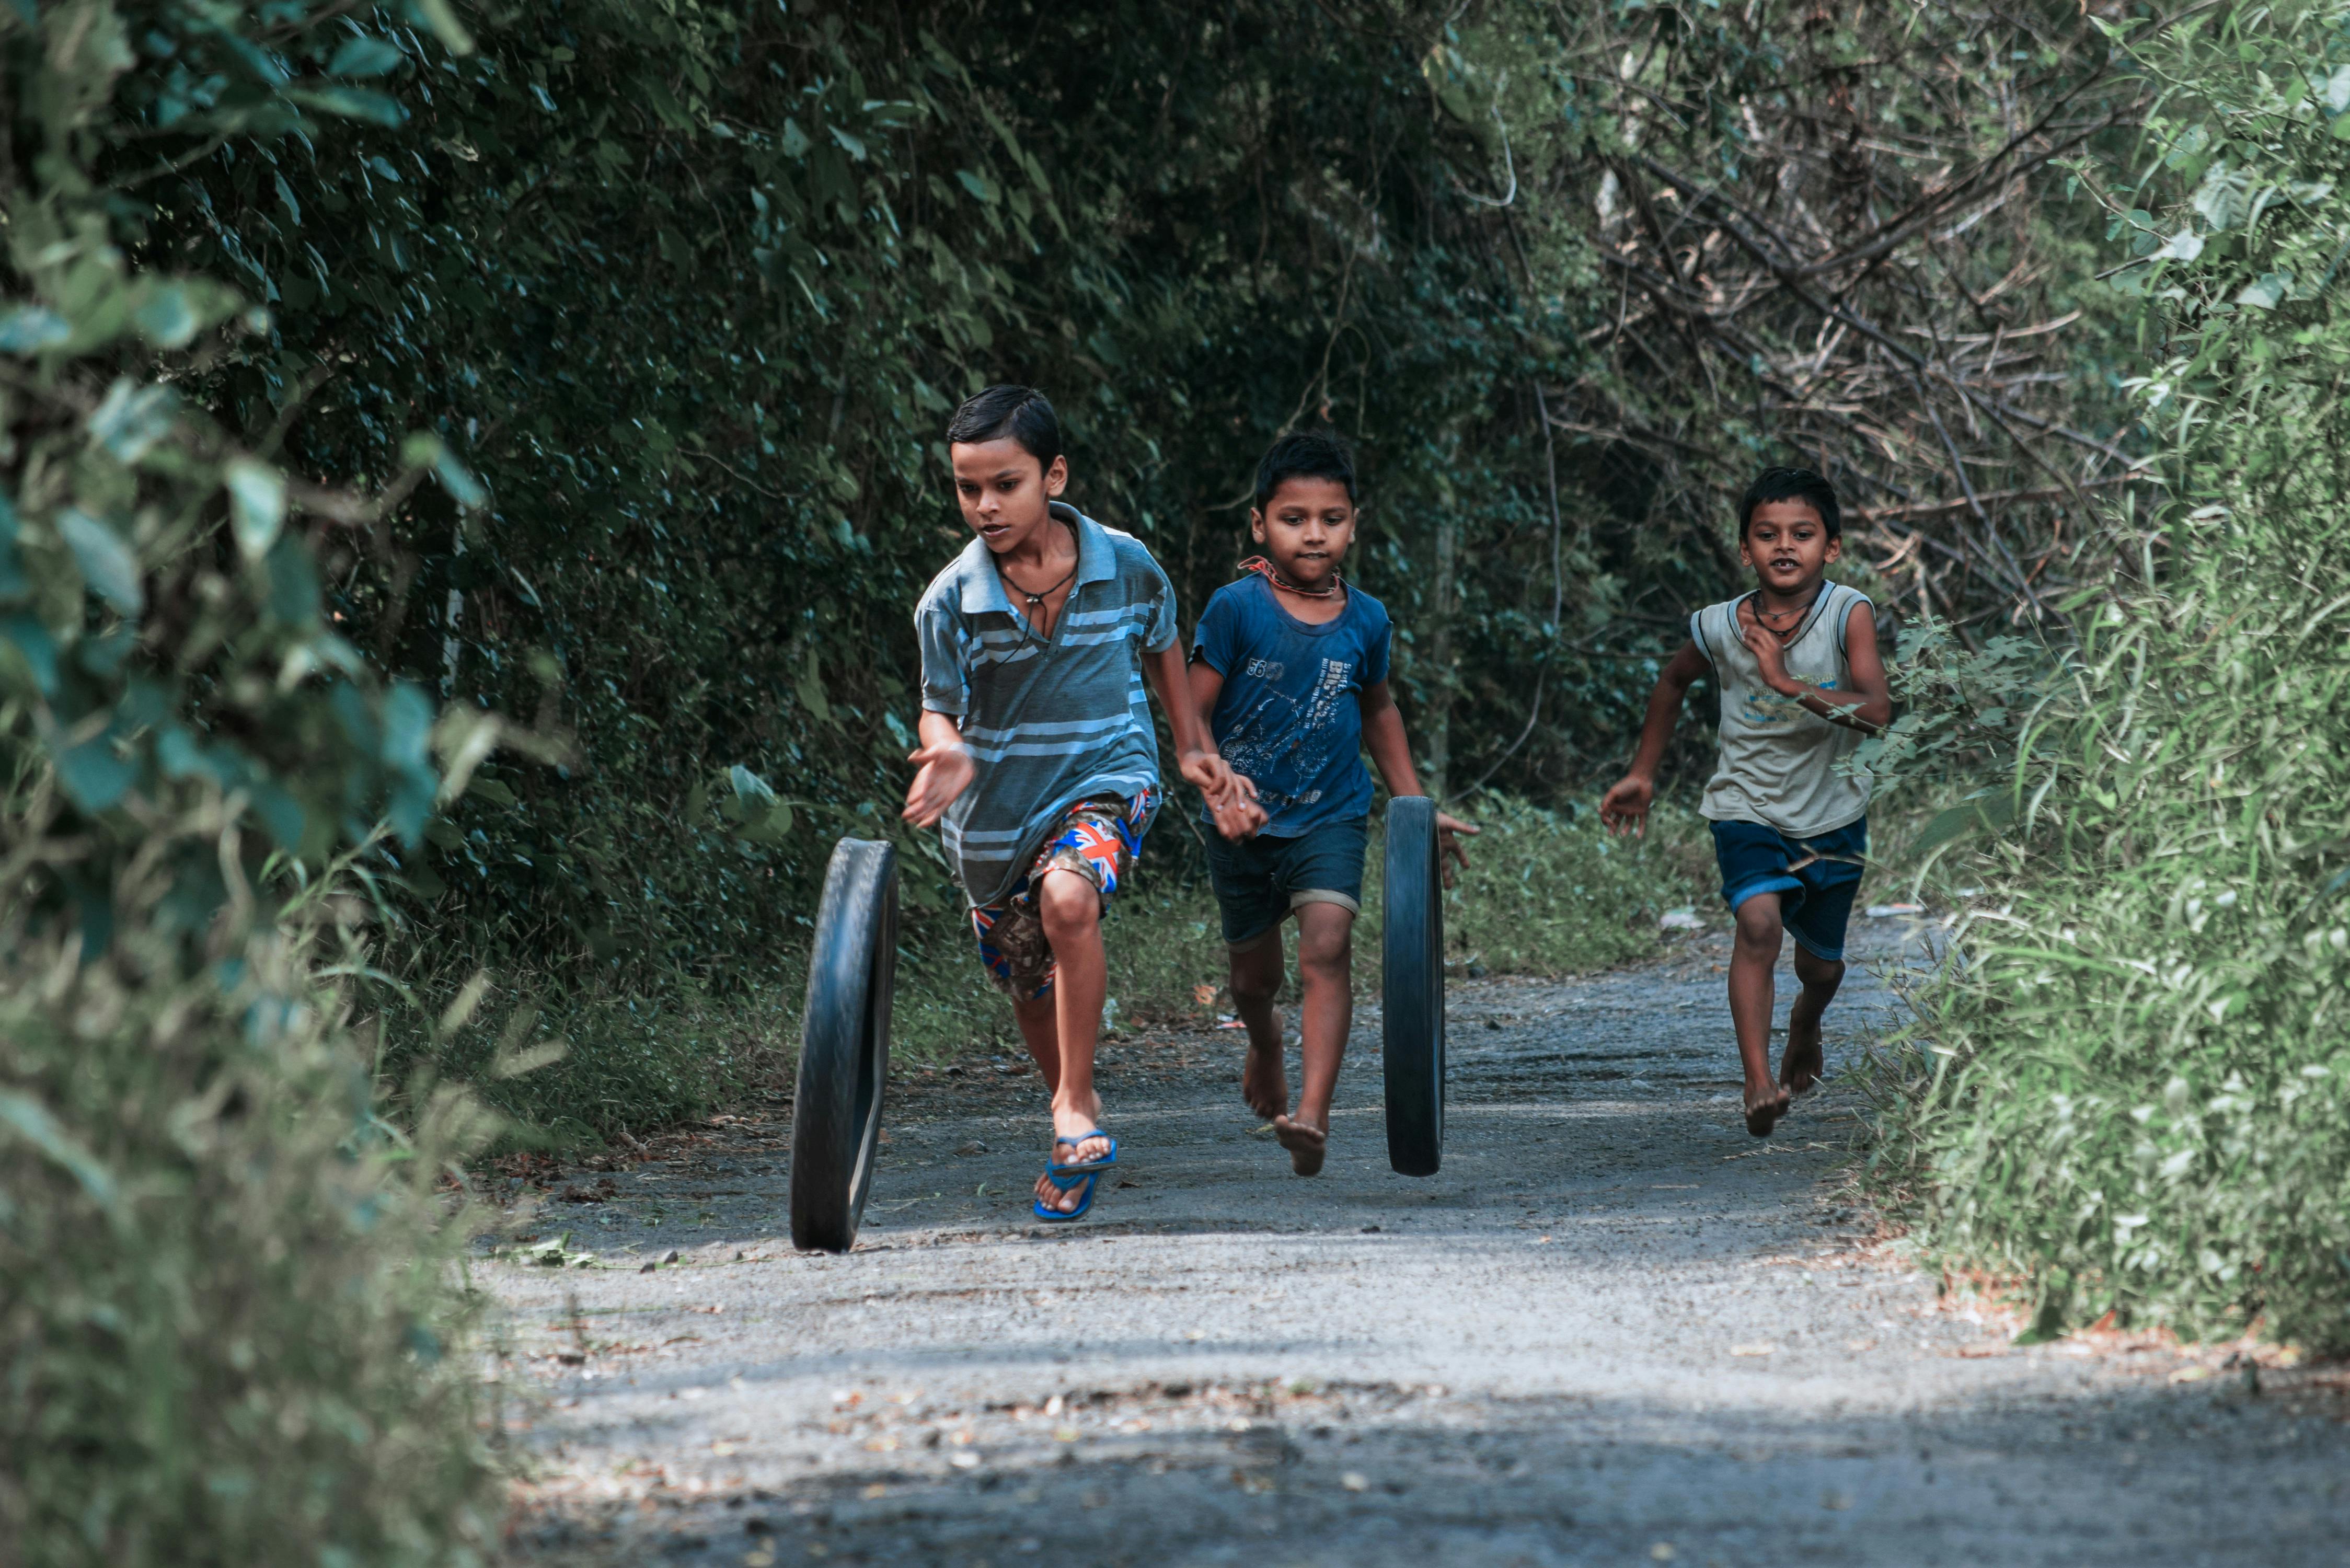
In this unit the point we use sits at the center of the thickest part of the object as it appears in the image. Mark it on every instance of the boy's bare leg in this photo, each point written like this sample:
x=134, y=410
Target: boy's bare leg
x=1062, y=1026
x=1753, y=962
x=1257, y=973
x=1800, y=1065
x=1325, y=972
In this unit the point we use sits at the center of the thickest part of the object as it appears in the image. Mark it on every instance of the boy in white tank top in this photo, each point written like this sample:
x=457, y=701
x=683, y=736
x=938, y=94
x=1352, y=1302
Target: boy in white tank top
x=1801, y=682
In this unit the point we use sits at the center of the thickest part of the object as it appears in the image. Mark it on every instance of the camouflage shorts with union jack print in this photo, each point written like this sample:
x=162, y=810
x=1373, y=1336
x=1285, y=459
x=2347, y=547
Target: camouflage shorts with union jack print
x=1098, y=840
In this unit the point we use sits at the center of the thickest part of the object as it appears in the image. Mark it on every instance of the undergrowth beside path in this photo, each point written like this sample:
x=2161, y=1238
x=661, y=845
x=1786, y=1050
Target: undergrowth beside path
x=2129, y=1085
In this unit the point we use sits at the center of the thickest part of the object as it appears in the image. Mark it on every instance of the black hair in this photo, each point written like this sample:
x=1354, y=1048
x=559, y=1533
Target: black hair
x=1021, y=413
x=1304, y=454
x=1792, y=484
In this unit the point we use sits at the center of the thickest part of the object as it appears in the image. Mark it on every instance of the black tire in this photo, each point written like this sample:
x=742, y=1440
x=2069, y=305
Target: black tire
x=1412, y=991
x=844, y=1045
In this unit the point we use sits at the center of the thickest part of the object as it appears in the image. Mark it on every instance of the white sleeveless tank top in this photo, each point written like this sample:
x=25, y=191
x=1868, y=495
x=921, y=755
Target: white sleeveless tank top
x=1779, y=760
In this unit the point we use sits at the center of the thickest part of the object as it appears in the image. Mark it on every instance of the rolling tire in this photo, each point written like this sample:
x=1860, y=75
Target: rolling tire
x=1412, y=991
x=844, y=1045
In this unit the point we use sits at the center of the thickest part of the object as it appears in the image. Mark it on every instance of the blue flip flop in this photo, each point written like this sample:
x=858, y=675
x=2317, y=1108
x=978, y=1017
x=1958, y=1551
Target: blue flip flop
x=1066, y=1181
x=1090, y=1167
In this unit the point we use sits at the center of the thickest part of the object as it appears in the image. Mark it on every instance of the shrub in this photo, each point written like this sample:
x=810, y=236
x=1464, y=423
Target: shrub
x=2129, y=1083
x=226, y=1316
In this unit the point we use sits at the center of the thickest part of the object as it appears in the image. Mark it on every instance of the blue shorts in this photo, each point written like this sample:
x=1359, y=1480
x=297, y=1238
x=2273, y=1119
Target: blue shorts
x=1814, y=878
x=1261, y=879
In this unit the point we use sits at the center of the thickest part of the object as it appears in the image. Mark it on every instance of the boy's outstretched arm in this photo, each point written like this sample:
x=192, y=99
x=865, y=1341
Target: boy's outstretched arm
x=1391, y=750
x=1624, y=808
x=1230, y=796
x=944, y=769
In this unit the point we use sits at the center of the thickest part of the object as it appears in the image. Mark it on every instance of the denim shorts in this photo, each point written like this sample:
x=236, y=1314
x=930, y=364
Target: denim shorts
x=1814, y=878
x=1259, y=880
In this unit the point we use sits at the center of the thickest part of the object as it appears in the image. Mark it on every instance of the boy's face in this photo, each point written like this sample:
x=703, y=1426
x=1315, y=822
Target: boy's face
x=1003, y=489
x=1306, y=528
x=1788, y=546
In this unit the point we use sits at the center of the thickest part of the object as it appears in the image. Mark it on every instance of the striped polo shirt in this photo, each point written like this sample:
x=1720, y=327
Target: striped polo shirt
x=1049, y=721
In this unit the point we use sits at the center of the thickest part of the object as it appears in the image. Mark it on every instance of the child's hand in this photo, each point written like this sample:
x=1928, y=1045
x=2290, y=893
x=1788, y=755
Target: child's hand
x=1231, y=796
x=1240, y=817
x=1448, y=852
x=1624, y=808
x=1771, y=655
x=943, y=773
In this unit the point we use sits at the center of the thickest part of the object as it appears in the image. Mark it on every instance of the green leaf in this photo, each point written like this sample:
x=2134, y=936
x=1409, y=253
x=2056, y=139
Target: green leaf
x=280, y=814
x=1958, y=821
x=36, y=647
x=365, y=56
x=352, y=103
x=979, y=185
x=32, y=1121
x=132, y=418
x=423, y=448
x=256, y=505
x=2267, y=291
x=107, y=564
x=29, y=328
x=441, y=18
x=92, y=774
x=749, y=787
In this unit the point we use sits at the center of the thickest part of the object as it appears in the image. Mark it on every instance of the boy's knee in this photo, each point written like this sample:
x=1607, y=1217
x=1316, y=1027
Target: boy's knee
x=1068, y=904
x=1325, y=938
x=1326, y=956
x=1254, y=984
x=1757, y=923
x=1813, y=970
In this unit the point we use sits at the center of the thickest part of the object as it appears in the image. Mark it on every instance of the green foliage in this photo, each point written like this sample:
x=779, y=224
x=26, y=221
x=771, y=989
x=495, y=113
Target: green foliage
x=229, y=1330
x=1551, y=893
x=2128, y=1083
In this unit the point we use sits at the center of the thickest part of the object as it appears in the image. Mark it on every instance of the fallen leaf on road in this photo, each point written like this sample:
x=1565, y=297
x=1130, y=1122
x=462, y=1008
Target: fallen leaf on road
x=2190, y=1374
x=1354, y=1480
x=1753, y=1349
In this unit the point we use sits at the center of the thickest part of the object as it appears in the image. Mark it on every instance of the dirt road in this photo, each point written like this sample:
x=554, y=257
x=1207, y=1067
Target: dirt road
x=1615, y=1330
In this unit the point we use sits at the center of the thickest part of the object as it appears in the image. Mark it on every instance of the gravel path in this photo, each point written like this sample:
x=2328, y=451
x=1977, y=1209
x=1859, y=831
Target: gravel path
x=1615, y=1330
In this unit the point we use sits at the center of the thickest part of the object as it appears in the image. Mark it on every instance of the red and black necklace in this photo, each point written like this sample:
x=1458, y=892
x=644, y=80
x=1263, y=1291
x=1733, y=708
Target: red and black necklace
x=1267, y=570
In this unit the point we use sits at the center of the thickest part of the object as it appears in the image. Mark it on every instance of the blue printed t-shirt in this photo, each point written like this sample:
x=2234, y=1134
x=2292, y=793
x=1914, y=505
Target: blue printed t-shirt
x=1289, y=716
x=1049, y=721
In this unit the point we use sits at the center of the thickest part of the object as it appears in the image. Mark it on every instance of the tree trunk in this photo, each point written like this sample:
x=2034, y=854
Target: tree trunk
x=1438, y=683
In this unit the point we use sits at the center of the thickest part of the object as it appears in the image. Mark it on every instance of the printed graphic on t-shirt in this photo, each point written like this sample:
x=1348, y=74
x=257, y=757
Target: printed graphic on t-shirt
x=1764, y=709
x=1280, y=738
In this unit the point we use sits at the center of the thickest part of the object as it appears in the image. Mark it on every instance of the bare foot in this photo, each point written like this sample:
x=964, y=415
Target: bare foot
x=1762, y=1112
x=1801, y=1063
x=1264, y=1084
x=1307, y=1144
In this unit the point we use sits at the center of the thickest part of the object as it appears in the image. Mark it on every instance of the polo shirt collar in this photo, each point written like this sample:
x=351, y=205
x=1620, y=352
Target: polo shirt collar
x=980, y=588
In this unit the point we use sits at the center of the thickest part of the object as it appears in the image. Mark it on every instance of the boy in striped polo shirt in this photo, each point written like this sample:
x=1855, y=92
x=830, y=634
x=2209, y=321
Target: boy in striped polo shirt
x=1037, y=751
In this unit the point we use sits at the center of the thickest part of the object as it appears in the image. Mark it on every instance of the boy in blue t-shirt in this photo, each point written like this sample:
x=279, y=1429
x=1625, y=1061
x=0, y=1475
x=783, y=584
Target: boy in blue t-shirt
x=1289, y=668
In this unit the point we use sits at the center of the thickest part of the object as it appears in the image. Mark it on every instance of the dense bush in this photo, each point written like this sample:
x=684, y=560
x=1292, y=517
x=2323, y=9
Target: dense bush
x=2131, y=1083
x=228, y=1331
